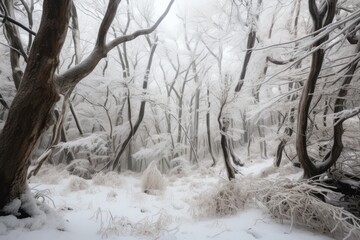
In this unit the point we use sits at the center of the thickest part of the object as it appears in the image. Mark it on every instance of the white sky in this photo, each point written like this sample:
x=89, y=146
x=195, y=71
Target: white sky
x=190, y=8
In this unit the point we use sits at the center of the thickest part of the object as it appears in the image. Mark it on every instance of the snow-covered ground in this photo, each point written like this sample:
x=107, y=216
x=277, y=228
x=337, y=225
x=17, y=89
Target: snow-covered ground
x=115, y=207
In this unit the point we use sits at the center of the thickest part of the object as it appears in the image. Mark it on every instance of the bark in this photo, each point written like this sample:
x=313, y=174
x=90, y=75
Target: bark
x=76, y=119
x=223, y=126
x=225, y=149
x=236, y=160
x=319, y=20
x=55, y=139
x=35, y=99
x=250, y=44
x=59, y=132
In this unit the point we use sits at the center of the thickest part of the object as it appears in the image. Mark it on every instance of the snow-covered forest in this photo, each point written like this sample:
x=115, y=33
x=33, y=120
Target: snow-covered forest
x=180, y=119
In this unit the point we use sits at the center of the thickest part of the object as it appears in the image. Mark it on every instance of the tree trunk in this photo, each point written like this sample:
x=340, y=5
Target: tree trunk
x=310, y=169
x=134, y=129
x=223, y=126
x=208, y=129
x=250, y=44
x=35, y=99
x=289, y=130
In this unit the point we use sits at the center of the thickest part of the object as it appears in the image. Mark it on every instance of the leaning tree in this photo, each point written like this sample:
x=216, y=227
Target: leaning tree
x=40, y=88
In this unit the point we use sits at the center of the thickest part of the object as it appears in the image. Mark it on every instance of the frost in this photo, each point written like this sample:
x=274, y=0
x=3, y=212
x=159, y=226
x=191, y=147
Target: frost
x=119, y=226
x=77, y=184
x=161, y=149
x=226, y=198
x=297, y=202
x=179, y=166
x=152, y=180
x=111, y=196
x=111, y=179
x=94, y=143
x=81, y=168
x=50, y=175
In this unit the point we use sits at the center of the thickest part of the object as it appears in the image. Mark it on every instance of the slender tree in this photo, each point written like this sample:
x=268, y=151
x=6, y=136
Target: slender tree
x=321, y=17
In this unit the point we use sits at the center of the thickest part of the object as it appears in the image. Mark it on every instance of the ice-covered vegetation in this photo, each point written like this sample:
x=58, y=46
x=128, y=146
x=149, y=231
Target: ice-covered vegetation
x=180, y=119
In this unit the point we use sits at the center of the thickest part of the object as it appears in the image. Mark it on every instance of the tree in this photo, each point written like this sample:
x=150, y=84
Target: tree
x=322, y=16
x=40, y=88
x=35, y=99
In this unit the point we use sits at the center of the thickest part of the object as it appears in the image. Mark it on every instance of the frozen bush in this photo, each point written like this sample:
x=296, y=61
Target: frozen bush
x=152, y=180
x=180, y=167
x=81, y=168
x=226, y=198
x=77, y=184
x=111, y=179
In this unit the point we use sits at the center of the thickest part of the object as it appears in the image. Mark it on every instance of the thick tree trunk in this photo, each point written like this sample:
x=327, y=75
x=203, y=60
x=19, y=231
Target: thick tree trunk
x=31, y=111
x=39, y=89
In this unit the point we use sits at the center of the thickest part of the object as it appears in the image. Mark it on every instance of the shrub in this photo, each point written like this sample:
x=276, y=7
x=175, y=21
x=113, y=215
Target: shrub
x=152, y=180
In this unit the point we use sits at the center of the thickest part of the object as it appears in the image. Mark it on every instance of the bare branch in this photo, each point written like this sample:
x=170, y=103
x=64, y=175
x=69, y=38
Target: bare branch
x=72, y=76
x=10, y=19
x=138, y=33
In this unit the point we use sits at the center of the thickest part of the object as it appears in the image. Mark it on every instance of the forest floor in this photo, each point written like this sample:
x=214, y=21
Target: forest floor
x=115, y=207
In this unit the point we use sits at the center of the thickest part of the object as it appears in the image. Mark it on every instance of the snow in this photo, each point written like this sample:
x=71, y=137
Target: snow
x=94, y=209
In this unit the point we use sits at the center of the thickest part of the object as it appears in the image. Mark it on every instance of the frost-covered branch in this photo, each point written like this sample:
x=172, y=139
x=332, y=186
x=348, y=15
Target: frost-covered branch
x=75, y=74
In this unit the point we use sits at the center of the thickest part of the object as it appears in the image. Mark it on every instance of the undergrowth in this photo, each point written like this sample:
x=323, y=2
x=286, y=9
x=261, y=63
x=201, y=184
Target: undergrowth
x=298, y=203
x=151, y=226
